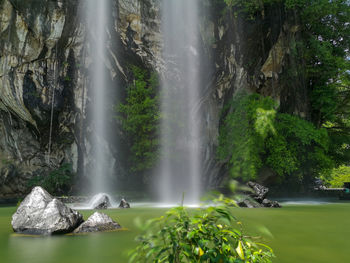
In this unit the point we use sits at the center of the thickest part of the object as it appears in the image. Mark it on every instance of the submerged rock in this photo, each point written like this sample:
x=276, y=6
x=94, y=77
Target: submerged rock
x=124, y=204
x=97, y=222
x=100, y=201
x=41, y=214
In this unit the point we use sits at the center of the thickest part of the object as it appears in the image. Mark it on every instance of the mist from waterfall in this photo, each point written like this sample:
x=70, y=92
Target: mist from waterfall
x=180, y=166
x=97, y=19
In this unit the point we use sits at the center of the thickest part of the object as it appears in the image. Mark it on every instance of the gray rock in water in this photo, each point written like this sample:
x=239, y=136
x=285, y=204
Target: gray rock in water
x=124, y=204
x=97, y=222
x=41, y=214
x=100, y=201
x=248, y=203
x=260, y=191
x=269, y=203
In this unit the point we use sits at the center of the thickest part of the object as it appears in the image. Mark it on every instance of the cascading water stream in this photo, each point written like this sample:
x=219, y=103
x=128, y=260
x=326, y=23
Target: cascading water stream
x=180, y=166
x=97, y=18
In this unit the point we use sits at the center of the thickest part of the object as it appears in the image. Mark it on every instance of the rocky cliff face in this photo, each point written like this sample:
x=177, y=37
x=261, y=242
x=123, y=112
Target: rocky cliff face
x=40, y=41
x=44, y=65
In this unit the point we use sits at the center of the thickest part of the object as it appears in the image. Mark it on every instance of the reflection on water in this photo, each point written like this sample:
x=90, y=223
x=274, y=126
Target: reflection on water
x=34, y=249
x=98, y=247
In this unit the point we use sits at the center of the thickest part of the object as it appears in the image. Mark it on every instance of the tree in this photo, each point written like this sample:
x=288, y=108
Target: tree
x=139, y=118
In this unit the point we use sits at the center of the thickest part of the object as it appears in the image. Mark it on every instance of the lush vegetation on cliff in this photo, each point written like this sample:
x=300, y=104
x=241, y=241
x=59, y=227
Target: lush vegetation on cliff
x=256, y=135
x=293, y=146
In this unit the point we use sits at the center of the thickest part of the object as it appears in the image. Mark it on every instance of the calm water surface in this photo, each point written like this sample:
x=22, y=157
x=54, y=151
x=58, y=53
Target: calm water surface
x=298, y=234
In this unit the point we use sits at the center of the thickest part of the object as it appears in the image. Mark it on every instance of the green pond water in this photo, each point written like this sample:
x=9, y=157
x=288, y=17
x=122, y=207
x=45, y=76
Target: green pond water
x=299, y=234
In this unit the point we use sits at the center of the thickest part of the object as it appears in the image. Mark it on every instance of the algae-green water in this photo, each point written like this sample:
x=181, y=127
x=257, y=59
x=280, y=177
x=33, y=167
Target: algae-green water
x=297, y=233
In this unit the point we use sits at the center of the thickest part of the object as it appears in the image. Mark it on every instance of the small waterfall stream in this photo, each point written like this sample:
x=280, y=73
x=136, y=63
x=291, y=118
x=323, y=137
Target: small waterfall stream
x=180, y=166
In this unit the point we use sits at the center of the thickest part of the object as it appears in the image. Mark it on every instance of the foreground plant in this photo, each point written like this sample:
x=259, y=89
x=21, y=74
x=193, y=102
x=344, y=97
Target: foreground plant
x=203, y=235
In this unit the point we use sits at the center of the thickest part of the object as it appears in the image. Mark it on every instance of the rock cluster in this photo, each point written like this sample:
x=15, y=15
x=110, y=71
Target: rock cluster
x=103, y=201
x=257, y=198
x=41, y=214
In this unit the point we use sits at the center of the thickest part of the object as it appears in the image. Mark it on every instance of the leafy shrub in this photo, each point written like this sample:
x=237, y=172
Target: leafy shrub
x=204, y=235
x=242, y=136
x=297, y=145
x=338, y=176
x=254, y=134
x=57, y=182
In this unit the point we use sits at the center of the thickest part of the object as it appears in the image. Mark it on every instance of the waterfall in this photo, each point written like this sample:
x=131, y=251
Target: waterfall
x=97, y=13
x=180, y=166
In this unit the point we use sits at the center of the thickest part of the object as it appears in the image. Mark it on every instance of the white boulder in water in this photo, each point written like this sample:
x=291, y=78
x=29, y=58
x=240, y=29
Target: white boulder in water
x=97, y=222
x=40, y=213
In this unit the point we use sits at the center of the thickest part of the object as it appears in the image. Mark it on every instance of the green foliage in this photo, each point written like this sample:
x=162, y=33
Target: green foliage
x=326, y=51
x=248, y=7
x=139, y=117
x=254, y=135
x=339, y=140
x=57, y=182
x=337, y=177
x=323, y=52
x=242, y=136
x=297, y=145
x=204, y=235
